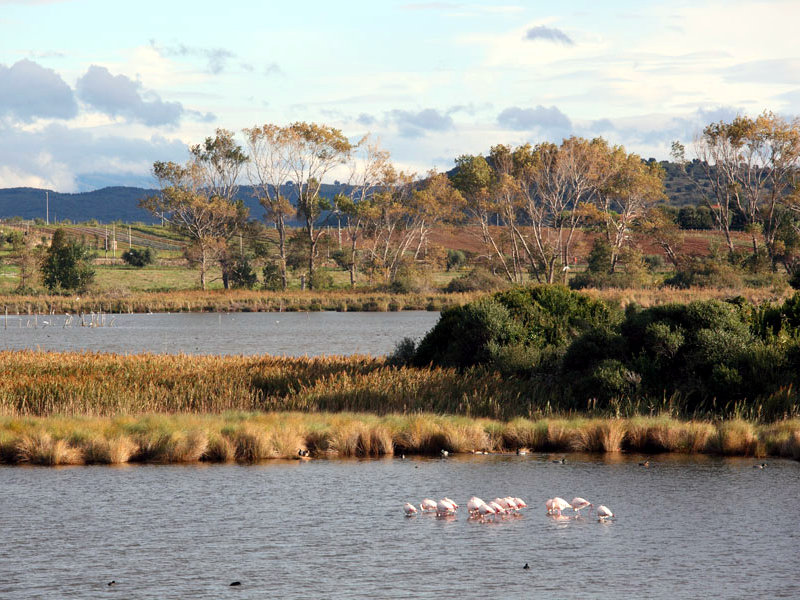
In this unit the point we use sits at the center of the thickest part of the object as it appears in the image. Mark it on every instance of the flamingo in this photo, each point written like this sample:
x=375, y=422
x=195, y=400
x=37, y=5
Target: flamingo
x=603, y=513
x=498, y=508
x=428, y=505
x=556, y=505
x=445, y=508
x=484, y=510
x=446, y=499
x=409, y=509
x=520, y=503
x=474, y=503
x=579, y=503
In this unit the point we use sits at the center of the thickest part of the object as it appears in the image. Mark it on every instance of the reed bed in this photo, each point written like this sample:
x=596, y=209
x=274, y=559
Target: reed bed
x=253, y=437
x=231, y=301
x=334, y=300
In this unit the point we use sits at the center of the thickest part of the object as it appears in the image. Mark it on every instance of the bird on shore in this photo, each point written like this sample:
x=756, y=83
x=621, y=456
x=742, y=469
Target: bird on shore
x=561, y=461
x=522, y=451
x=445, y=453
x=302, y=452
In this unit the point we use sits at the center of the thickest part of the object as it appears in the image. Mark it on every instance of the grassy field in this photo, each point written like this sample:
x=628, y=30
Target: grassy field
x=251, y=437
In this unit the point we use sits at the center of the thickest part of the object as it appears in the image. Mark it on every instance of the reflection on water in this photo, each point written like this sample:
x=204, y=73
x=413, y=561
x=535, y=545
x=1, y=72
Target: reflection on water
x=687, y=527
x=291, y=334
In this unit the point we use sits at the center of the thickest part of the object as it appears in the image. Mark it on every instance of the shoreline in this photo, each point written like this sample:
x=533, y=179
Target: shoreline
x=253, y=437
x=333, y=300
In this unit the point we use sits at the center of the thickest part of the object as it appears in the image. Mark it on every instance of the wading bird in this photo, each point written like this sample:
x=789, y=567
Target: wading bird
x=409, y=509
x=428, y=505
x=579, y=503
x=603, y=513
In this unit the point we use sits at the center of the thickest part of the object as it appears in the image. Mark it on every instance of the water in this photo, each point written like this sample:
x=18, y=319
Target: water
x=291, y=334
x=688, y=527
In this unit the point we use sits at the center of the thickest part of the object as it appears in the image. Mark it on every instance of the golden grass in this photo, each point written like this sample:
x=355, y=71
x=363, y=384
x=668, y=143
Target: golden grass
x=125, y=301
x=252, y=437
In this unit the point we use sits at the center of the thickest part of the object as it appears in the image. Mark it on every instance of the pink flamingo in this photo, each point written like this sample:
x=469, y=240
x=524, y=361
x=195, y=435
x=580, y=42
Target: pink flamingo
x=579, y=503
x=498, y=508
x=520, y=503
x=474, y=503
x=446, y=499
x=556, y=505
x=484, y=510
x=445, y=508
x=603, y=513
x=410, y=509
x=428, y=505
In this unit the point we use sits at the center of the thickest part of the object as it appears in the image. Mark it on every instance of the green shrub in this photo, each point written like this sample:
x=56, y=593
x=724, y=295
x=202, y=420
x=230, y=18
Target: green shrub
x=272, y=277
x=242, y=275
x=138, y=258
x=455, y=259
x=477, y=280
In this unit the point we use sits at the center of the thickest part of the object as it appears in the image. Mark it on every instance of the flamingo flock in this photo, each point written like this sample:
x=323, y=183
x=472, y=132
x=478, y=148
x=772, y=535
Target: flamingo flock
x=556, y=505
x=478, y=509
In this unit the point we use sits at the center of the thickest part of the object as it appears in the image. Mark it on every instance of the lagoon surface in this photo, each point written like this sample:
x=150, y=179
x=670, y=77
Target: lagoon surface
x=687, y=527
x=287, y=333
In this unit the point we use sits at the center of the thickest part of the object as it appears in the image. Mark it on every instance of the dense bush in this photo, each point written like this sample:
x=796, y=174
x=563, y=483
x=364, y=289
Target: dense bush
x=509, y=323
x=138, y=258
x=477, y=280
x=242, y=275
x=707, y=357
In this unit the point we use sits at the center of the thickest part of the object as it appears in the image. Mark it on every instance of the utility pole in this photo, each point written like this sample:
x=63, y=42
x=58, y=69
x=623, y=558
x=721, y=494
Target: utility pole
x=129, y=237
x=114, y=241
x=47, y=207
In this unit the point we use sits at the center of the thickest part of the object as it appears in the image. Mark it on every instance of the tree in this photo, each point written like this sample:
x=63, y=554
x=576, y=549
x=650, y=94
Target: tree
x=473, y=178
x=66, y=264
x=312, y=151
x=752, y=165
x=369, y=170
x=26, y=256
x=269, y=170
x=196, y=199
x=557, y=183
x=633, y=187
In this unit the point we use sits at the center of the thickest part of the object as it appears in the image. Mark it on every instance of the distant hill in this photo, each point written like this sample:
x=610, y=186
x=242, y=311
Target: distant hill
x=104, y=205
x=122, y=203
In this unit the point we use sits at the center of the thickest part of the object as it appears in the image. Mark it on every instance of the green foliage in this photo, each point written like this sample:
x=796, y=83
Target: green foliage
x=477, y=280
x=455, y=260
x=65, y=265
x=321, y=280
x=272, y=277
x=138, y=258
x=403, y=353
x=242, y=275
x=516, y=324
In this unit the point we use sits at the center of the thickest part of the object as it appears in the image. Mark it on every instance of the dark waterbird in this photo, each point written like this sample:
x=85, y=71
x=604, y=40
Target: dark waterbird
x=761, y=466
x=561, y=461
x=235, y=583
x=526, y=566
x=110, y=583
x=645, y=463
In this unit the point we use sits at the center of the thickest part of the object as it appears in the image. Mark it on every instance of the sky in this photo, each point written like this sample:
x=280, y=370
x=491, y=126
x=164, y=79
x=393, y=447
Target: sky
x=93, y=92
